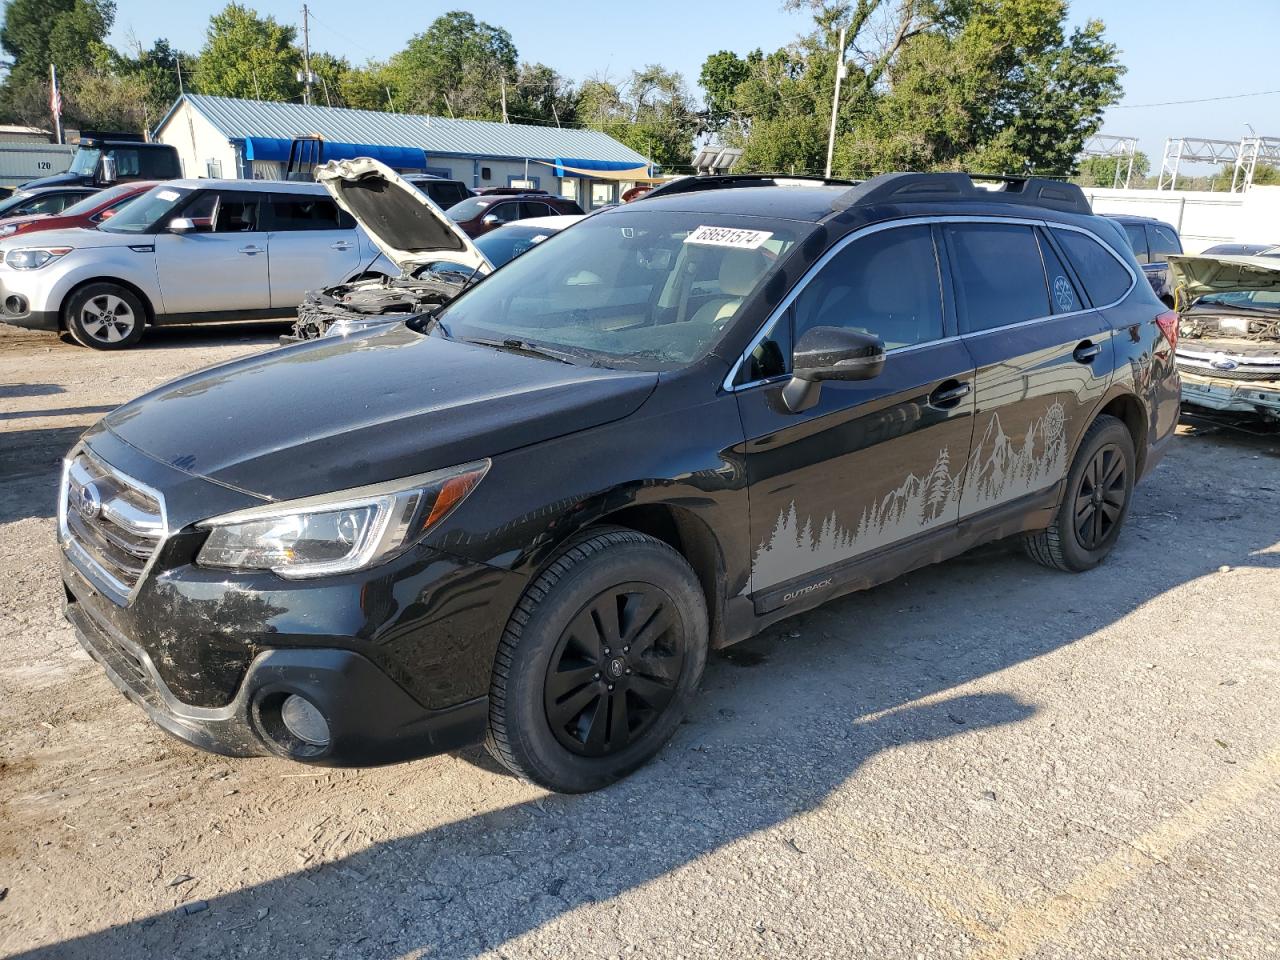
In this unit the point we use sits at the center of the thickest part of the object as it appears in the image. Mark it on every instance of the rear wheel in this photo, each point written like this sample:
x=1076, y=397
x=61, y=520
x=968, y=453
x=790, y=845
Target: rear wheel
x=598, y=663
x=105, y=316
x=1095, y=503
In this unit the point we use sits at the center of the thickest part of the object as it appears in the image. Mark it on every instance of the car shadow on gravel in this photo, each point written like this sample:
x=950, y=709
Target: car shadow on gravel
x=785, y=720
x=30, y=466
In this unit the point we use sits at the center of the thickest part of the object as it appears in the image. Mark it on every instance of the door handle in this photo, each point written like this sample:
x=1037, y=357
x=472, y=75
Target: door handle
x=948, y=394
x=1087, y=352
x=340, y=245
x=250, y=250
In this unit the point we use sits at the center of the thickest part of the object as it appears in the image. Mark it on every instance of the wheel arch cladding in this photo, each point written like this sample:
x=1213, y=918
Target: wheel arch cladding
x=1128, y=410
x=687, y=534
x=115, y=281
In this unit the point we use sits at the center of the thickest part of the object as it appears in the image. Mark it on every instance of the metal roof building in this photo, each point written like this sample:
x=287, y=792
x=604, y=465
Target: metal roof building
x=224, y=136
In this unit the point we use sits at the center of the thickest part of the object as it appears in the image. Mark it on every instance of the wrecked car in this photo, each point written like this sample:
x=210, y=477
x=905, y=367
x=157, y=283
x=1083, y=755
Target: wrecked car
x=1229, y=333
x=435, y=258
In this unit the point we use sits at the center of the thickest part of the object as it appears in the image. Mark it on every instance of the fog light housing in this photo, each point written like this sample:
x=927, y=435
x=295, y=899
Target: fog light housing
x=304, y=720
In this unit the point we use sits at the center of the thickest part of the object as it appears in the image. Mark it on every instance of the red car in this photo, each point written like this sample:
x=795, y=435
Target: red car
x=92, y=210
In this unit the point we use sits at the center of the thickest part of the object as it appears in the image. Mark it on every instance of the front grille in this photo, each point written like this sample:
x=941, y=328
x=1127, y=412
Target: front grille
x=111, y=525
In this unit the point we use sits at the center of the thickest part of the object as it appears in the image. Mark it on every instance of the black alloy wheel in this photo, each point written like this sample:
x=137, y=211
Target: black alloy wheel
x=614, y=669
x=1101, y=496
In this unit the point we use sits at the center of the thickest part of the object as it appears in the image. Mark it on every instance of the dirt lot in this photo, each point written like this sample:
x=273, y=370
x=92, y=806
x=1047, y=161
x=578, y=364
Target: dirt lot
x=983, y=760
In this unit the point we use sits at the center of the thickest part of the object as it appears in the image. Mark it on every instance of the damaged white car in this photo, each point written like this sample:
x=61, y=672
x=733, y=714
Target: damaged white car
x=1229, y=333
x=435, y=260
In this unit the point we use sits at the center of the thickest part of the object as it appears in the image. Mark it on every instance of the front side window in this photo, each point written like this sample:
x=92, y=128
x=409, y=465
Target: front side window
x=1104, y=279
x=104, y=199
x=642, y=290
x=885, y=283
x=505, y=212
x=1161, y=242
x=997, y=273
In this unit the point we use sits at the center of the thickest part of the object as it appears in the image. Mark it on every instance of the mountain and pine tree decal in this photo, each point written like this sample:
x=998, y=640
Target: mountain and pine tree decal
x=999, y=469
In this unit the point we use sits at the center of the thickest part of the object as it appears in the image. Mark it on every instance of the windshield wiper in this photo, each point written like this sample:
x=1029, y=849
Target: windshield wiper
x=514, y=345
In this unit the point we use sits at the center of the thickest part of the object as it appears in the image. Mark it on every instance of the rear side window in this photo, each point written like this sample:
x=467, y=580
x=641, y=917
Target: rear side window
x=1161, y=241
x=885, y=283
x=1105, y=279
x=1137, y=240
x=303, y=212
x=530, y=209
x=1062, y=292
x=997, y=273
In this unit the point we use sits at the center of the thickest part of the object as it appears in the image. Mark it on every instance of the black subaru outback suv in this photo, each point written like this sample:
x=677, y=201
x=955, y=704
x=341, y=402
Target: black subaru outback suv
x=527, y=517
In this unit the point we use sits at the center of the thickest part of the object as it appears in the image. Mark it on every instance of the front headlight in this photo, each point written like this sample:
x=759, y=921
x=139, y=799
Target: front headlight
x=33, y=258
x=337, y=532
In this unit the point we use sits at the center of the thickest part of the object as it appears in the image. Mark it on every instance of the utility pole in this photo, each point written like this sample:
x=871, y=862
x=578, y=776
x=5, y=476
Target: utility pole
x=835, y=102
x=306, y=56
x=181, y=92
x=504, y=100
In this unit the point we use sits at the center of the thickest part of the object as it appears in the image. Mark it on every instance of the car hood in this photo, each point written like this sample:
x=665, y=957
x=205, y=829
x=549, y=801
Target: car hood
x=403, y=221
x=55, y=180
x=79, y=238
x=332, y=414
x=1200, y=276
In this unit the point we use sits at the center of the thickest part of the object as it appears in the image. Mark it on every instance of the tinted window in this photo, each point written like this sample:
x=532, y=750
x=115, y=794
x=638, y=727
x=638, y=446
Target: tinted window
x=997, y=273
x=445, y=193
x=127, y=163
x=885, y=283
x=1161, y=241
x=49, y=203
x=771, y=356
x=158, y=165
x=1137, y=238
x=1062, y=292
x=303, y=212
x=506, y=212
x=528, y=209
x=1104, y=279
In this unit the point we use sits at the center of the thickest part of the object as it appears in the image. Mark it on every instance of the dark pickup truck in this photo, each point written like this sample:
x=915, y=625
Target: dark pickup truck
x=101, y=162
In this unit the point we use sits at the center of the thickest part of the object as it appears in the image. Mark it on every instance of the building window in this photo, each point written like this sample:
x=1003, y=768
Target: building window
x=569, y=188
x=213, y=169
x=524, y=183
x=486, y=173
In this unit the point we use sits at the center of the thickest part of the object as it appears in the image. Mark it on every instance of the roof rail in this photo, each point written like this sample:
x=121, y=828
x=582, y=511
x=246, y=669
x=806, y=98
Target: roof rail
x=926, y=187
x=725, y=181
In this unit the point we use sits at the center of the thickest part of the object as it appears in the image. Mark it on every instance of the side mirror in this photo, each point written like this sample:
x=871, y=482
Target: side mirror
x=181, y=225
x=107, y=214
x=108, y=169
x=830, y=353
x=490, y=220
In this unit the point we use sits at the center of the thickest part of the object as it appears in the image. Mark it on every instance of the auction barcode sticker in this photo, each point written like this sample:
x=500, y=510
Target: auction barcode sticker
x=728, y=237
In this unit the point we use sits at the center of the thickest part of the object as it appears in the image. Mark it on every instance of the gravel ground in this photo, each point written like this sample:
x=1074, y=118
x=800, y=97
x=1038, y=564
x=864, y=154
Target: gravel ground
x=982, y=760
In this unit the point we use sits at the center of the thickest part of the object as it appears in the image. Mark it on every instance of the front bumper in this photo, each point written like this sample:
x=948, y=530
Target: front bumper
x=372, y=719
x=1248, y=397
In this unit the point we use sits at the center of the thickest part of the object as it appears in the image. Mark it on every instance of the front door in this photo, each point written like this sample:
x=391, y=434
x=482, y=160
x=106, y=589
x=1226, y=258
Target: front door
x=1043, y=360
x=873, y=464
x=221, y=265
x=309, y=246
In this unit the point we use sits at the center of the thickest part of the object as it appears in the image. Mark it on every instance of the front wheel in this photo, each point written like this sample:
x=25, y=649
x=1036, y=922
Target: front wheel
x=598, y=663
x=1095, y=503
x=105, y=316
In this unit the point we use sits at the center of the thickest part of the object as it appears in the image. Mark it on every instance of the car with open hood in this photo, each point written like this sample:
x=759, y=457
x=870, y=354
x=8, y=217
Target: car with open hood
x=434, y=257
x=1229, y=332
x=527, y=517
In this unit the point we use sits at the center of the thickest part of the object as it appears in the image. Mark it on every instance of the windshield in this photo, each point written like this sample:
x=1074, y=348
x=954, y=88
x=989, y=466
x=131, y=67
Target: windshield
x=499, y=246
x=1249, y=300
x=85, y=162
x=13, y=202
x=95, y=200
x=651, y=290
x=468, y=208
x=146, y=211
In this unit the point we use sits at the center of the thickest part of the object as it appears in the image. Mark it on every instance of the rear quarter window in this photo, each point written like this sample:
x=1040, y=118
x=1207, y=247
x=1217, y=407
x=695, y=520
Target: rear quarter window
x=1105, y=279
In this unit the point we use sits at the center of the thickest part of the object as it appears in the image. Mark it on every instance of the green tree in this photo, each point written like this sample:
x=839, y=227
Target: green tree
x=721, y=75
x=1101, y=171
x=456, y=67
x=365, y=87
x=67, y=33
x=245, y=55
x=540, y=93
x=653, y=114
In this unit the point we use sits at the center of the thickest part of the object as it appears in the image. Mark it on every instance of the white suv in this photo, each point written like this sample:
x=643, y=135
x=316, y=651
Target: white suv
x=186, y=251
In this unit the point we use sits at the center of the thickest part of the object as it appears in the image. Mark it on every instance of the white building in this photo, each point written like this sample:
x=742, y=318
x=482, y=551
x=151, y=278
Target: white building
x=226, y=137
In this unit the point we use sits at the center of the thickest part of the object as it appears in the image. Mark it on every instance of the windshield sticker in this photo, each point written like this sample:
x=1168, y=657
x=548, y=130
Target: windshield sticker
x=728, y=237
x=168, y=194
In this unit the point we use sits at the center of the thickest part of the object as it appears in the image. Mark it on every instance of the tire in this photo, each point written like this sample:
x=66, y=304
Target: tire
x=105, y=316
x=557, y=699
x=1095, y=503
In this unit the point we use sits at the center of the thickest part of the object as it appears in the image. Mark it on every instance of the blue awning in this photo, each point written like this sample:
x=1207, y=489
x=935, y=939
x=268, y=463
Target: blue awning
x=605, y=169
x=277, y=149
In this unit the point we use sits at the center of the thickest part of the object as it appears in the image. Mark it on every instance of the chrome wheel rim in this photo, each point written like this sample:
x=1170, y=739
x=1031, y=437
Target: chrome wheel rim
x=107, y=318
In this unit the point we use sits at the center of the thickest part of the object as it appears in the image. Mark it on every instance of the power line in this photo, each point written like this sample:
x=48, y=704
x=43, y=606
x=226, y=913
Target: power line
x=1179, y=103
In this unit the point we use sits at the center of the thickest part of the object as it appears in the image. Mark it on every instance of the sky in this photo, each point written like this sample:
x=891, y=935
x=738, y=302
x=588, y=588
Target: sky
x=1174, y=50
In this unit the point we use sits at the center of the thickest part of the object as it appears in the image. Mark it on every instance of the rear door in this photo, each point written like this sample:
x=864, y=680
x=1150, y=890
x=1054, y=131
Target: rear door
x=310, y=244
x=874, y=463
x=221, y=265
x=1042, y=356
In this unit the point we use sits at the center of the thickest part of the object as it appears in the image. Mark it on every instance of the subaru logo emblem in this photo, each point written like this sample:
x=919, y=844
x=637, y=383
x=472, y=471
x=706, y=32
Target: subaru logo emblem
x=88, y=502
